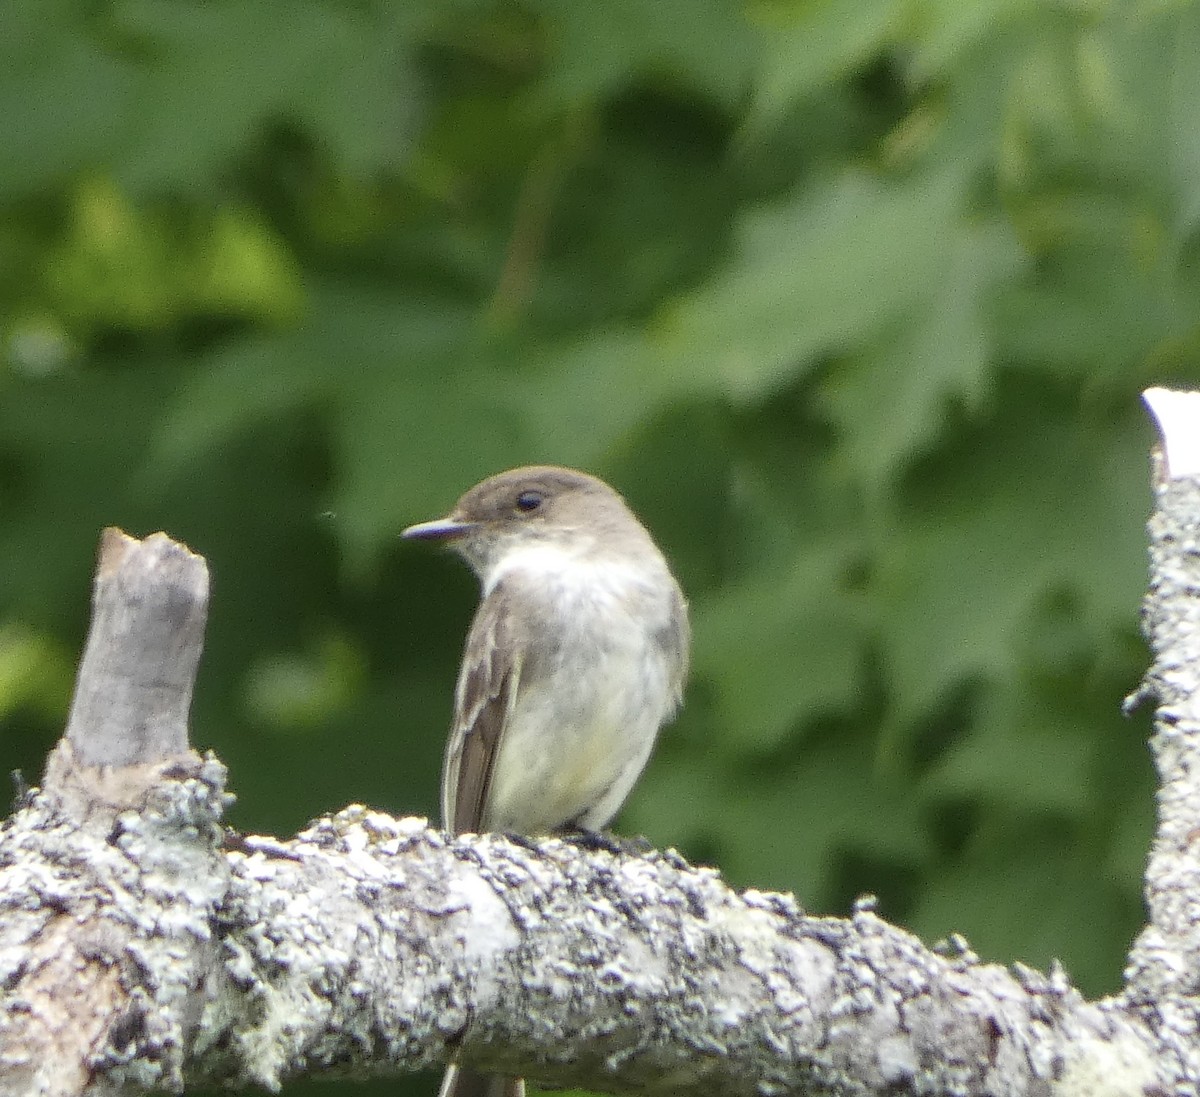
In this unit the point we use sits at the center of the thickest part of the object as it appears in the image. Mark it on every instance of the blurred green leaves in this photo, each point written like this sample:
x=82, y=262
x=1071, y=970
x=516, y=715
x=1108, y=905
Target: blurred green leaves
x=852, y=300
x=837, y=266
x=33, y=671
x=119, y=268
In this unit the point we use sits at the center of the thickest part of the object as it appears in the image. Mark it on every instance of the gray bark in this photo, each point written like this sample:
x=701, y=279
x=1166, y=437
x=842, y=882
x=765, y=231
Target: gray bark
x=143, y=948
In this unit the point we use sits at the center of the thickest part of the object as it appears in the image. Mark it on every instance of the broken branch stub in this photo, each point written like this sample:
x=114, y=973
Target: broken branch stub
x=129, y=714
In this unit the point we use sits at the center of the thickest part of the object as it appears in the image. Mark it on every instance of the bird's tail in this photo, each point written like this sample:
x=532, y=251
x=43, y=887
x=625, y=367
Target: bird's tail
x=466, y=1083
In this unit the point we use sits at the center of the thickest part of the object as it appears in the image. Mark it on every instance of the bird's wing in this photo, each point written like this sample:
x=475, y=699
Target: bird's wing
x=487, y=688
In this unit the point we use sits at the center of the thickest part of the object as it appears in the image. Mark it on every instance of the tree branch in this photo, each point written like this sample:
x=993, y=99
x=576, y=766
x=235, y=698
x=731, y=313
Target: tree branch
x=141, y=948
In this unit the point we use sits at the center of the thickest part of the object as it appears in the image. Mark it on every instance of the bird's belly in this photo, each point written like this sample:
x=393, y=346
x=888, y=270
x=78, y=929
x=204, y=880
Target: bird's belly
x=576, y=743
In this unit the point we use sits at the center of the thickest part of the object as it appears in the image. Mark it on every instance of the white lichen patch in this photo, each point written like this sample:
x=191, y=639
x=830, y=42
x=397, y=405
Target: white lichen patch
x=897, y=1059
x=491, y=932
x=1118, y=1067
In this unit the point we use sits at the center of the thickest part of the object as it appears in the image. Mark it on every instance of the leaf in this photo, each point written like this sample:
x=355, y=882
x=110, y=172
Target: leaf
x=1020, y=755
x=234, y=389
x=1182, y=116
x=35, y=671
x=298, y=691
x=120, y=267
x=62, y=93
x=823, y=273
x=948, y=29
x=784, y=829
x=333, y=68
x=1033, y=502
x=1024, y=892
x=597, y=49
x=68, y=443
x=411, y=444
x=583, y=397
x=780, y=646
x=891, y=402
x=822, y=42
x=1098, y=310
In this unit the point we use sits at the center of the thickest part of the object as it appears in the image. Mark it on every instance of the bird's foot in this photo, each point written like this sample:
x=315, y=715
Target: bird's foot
x=606, y=842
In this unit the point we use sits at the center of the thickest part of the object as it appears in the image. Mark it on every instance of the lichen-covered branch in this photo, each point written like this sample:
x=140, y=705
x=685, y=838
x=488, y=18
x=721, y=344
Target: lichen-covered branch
x=144, y=948
x=1163, y=973
x=372, y=944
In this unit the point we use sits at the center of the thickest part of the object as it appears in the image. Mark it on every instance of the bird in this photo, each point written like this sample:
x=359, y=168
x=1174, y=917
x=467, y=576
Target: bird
x=576, y=657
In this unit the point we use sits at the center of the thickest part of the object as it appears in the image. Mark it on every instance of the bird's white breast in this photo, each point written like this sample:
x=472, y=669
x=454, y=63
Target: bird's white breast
x=597, y=687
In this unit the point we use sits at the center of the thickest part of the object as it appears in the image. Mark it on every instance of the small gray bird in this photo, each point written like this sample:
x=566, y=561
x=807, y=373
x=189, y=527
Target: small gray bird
x=576, y=657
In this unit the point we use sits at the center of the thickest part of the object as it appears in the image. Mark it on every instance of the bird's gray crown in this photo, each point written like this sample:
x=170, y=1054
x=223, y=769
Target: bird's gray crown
x=539, y=494
x=536, y=503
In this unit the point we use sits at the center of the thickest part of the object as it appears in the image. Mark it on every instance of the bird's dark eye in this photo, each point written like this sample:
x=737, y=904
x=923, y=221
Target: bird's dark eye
x=529, y=500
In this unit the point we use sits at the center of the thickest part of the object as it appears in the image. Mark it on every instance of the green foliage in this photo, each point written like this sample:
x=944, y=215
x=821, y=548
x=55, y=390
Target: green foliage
x=852, y=299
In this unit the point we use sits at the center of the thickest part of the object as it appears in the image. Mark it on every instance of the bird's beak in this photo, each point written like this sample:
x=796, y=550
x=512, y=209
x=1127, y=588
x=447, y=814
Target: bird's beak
x=441, y=529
